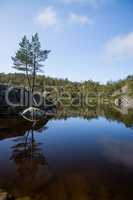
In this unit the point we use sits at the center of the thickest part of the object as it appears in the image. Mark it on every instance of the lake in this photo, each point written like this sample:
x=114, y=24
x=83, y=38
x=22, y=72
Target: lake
x=81, y=154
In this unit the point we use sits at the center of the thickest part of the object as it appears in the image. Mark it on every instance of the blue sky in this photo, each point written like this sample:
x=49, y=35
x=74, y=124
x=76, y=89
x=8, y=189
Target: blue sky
x=89, y=39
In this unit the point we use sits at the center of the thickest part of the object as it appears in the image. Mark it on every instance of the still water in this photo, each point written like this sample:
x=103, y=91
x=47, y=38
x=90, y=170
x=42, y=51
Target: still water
x=78, y=155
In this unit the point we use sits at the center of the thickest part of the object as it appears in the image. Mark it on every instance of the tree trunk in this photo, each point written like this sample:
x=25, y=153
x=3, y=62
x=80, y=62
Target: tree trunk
x=28, y=78
x=33, y=78
x=33, y=81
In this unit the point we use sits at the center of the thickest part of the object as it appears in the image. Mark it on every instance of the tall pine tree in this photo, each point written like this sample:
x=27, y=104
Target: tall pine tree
x=38, y=57
x=23, y=60
x=29, y=58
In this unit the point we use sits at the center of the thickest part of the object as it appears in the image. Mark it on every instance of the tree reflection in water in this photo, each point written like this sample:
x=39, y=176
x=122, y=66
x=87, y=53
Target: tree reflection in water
x=96, y=175
x=28, y=152
x=31, y=166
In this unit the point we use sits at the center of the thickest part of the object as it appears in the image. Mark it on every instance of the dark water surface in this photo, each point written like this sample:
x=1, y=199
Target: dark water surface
x=79, y=155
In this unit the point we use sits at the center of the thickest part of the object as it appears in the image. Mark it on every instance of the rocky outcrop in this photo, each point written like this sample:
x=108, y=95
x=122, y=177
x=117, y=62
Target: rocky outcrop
x=15, y=95
x=122, y=98
x=121, y=91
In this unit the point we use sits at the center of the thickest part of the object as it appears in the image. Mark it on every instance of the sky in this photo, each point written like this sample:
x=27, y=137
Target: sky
x=88, y=39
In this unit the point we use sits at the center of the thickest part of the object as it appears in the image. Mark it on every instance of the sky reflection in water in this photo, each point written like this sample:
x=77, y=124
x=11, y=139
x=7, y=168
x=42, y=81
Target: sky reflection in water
x=74, y=158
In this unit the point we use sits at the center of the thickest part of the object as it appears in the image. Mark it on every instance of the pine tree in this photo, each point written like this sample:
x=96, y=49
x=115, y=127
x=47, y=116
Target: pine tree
x=29, y=58
x=38, y=56
x=23, y=60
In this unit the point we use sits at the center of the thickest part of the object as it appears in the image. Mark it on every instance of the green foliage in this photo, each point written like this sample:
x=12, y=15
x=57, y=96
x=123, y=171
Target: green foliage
x=29, y=58
x=22, y=60
x=130, y=87
x=38, y=55
x=66, y=85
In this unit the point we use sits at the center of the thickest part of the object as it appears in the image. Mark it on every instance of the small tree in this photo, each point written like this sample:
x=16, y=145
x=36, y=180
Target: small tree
x=38, y=56
x=29, y=58
x=22, y=60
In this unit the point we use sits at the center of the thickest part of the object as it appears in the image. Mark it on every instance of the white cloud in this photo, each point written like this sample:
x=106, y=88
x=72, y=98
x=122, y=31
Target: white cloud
x=119, y=48
x=80, y=19
x=48, y=18
x=118, y=151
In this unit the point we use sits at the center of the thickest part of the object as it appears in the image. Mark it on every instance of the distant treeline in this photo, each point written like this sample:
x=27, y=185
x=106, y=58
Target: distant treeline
x=42, y=82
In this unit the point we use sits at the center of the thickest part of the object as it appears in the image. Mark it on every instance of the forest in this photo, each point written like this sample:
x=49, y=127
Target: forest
x=44, y=82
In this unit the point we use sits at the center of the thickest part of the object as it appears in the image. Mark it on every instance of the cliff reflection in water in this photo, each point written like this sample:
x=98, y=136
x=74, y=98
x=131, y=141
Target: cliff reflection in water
x=82, y=153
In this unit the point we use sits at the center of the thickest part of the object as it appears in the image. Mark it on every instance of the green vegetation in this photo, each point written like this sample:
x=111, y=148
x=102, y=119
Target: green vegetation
x=29, y=59
x=42, y=82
